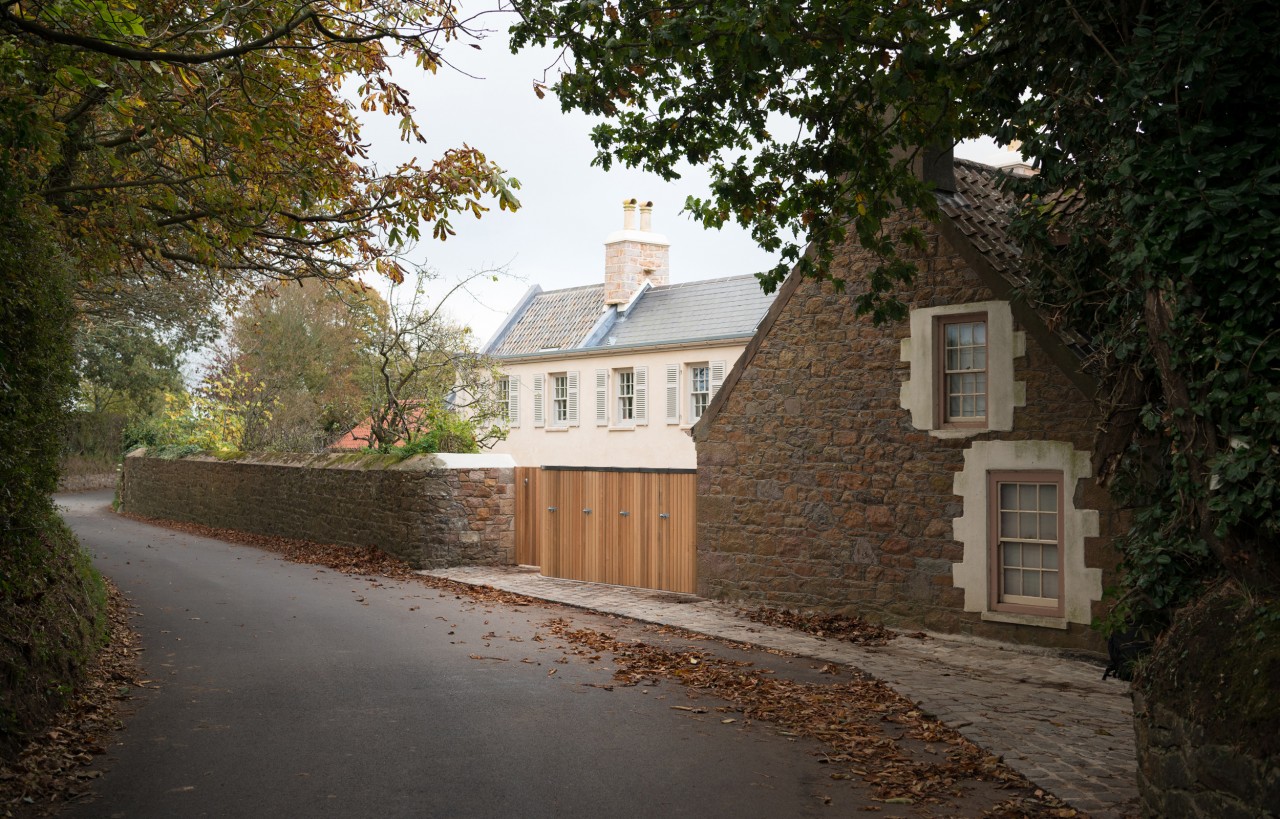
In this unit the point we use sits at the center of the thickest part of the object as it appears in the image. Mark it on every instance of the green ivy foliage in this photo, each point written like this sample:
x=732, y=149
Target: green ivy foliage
x=51, y=599
x=1161, y=122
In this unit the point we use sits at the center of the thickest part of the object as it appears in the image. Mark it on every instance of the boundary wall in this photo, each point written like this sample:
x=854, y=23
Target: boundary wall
x=433, y=511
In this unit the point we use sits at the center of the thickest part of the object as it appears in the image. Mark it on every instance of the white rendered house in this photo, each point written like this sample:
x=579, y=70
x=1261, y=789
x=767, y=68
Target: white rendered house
x=614, y=374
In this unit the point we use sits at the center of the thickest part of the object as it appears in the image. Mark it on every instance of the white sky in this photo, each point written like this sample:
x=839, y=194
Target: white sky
x=568, y=206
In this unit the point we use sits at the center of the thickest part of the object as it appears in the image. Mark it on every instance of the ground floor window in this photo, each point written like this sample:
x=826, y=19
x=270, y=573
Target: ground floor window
x=1026, y=530
x=1023, y=535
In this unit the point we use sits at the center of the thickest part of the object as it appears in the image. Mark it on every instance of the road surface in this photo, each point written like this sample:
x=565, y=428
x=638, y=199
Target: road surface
x=282, y=690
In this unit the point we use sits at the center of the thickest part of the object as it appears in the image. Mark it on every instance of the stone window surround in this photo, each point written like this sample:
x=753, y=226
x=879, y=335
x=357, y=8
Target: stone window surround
x=920, y=393
x=1080, y=585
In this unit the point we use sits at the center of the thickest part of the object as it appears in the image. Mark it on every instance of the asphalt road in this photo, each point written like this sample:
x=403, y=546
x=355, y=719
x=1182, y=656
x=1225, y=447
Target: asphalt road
x=283, y=690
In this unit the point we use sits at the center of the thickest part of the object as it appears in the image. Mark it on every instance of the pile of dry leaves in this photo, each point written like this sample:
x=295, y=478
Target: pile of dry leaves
x=864, y=724
x=347, y=559
x=56, y=767
x=852, y=629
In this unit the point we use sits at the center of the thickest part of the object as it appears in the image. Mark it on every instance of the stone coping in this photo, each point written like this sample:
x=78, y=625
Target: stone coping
x=358, y=460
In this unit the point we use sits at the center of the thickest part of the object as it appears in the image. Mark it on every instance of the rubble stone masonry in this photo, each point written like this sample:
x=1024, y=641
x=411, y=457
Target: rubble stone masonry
x=430, y=515
x=814, y=489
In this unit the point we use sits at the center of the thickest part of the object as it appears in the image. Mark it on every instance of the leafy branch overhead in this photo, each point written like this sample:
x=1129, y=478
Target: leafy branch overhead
x=806, y=114
x=1155, y=123
x=215, y=142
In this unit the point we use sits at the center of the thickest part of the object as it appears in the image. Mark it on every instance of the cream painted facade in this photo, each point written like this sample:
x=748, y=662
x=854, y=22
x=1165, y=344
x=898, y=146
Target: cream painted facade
x=587, y=425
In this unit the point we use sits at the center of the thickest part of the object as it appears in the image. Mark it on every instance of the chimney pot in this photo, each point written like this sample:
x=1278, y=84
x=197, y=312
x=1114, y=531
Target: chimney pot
x=634, y=257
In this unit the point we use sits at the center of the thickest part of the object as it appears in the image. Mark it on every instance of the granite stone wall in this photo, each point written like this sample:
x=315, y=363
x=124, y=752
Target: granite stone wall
x=432, y=511
x=814, y=489
x=1181, y=773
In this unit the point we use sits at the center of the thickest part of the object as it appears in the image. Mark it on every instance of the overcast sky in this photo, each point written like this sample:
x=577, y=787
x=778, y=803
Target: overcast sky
x=568, y=206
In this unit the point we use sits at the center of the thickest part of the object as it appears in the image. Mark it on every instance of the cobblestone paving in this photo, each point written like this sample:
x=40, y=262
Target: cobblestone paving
x=1052, y=719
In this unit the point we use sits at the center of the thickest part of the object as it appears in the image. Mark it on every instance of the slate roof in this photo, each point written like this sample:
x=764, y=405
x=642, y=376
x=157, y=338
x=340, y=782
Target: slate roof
x=982, y=208
x=692, y=311
x=557, y=319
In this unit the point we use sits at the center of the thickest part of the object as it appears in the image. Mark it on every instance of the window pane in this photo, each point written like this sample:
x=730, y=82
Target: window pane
x=1009, y=525
x=1050, y=581
x=953, y=335
x=1027, y=524
x=982, y=405
x=1030, y=556
x=966, y=334
x=1008, y=496
x=1012, y=554
x=980, y=332
x=953, y=407
x=1051, y=557
x=979, y=358
x=1030, y=584
x=1048, y=497
x=966, y=358
x=1026, y=496
x=953, y=359
x=1012, y=581
x=980, y=383
x=1048, y=526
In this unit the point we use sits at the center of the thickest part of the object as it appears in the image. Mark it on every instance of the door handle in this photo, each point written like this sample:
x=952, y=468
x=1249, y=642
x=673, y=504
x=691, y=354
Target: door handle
x=663, y=515
x=551, y=508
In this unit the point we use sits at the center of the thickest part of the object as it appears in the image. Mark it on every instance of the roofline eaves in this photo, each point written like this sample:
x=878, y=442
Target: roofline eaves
x=591, y=352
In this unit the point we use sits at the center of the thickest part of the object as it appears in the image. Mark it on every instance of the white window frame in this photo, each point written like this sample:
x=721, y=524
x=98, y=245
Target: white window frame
x=921, y=392
x=503, y=397
x=694, y=414
x=562, y=405
x=624, y=397
x=513, y=401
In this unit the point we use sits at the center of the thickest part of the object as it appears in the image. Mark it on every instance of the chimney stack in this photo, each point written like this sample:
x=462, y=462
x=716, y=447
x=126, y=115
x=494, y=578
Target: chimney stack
x=634, y=256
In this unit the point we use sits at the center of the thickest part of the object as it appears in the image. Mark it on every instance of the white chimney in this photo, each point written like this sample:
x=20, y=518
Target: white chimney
x=633, y=257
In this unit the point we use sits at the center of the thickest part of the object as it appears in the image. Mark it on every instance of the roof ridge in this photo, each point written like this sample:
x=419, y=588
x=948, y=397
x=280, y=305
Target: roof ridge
x=705, y=281
x=567, y=289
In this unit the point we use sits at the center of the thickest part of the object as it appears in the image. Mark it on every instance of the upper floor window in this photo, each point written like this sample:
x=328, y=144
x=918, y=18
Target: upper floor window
x=962, y=383
x=559, y=398
x=699, y=390
x=961, y=358
x=626, y=396
x=504, y=398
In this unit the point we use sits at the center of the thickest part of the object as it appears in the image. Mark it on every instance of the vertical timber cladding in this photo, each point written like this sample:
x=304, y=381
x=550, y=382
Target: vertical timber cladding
x=627, y=527
x=527, y=484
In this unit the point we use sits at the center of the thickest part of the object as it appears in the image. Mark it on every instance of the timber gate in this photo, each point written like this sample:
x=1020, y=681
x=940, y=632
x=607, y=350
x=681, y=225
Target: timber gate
x=628, y=527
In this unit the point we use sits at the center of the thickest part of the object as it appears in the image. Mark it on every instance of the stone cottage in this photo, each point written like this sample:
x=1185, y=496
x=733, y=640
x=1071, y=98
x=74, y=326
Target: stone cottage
x=933, y=473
